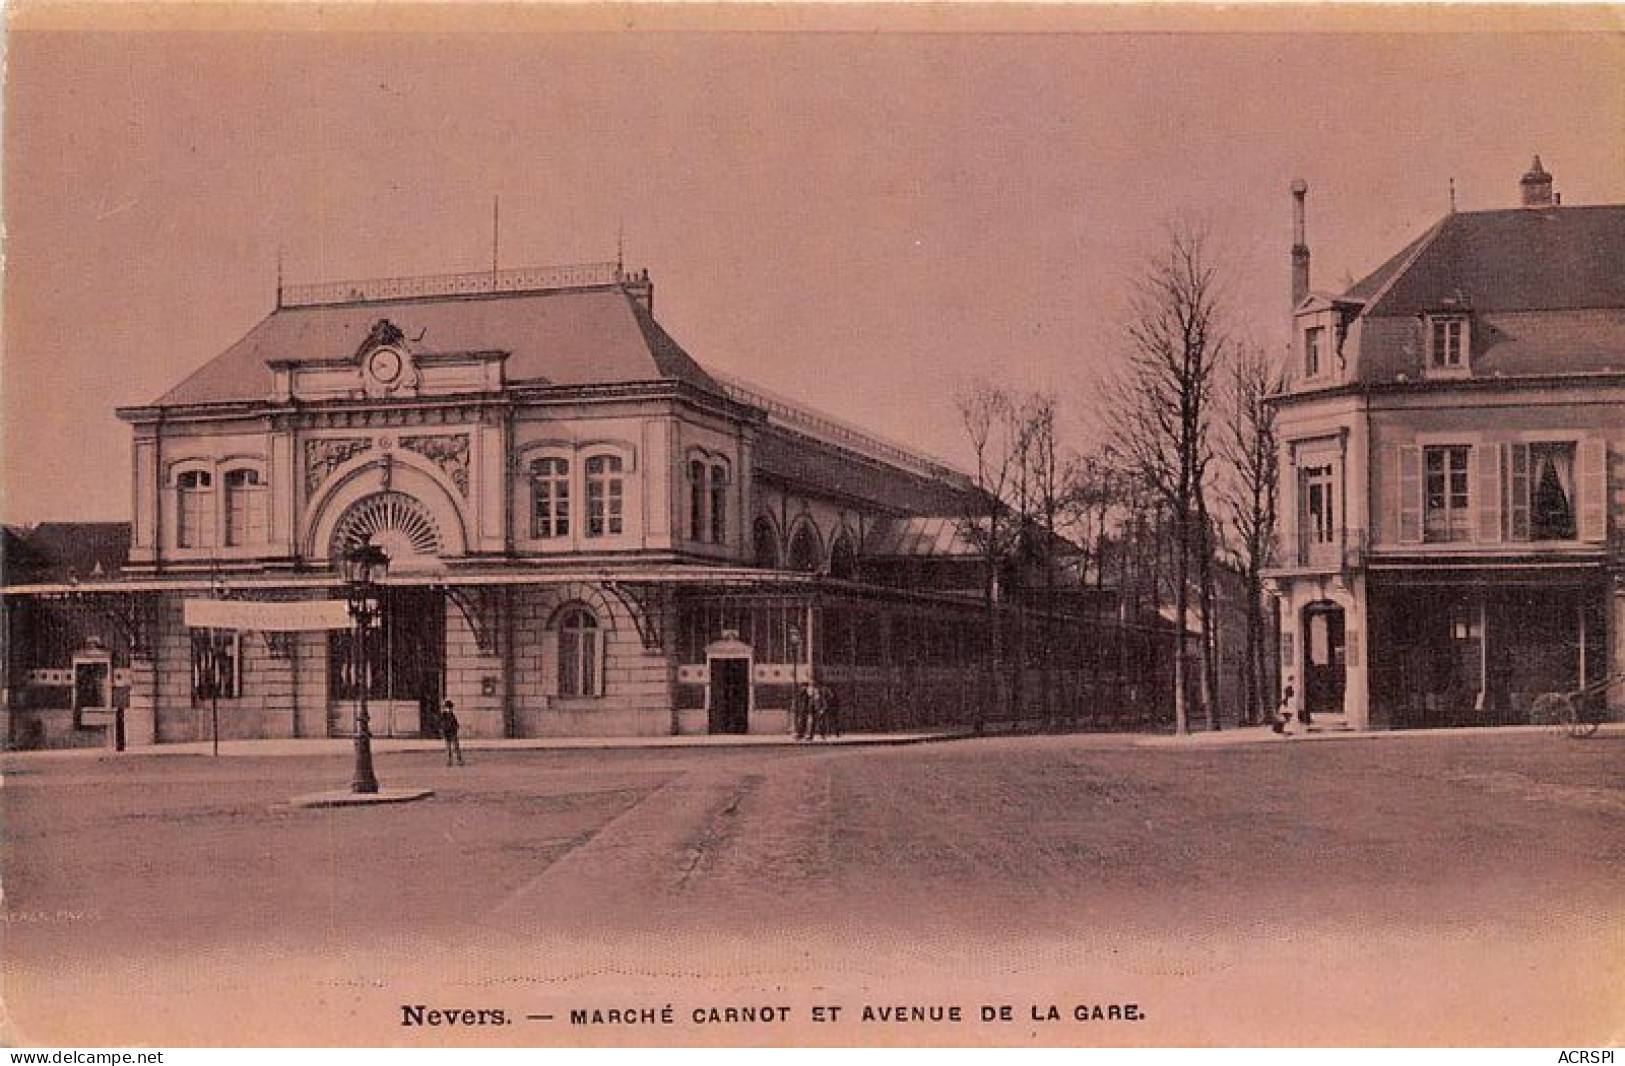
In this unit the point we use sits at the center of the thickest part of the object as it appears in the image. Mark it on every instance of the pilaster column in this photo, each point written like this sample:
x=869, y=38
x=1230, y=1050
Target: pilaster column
x=141, y=717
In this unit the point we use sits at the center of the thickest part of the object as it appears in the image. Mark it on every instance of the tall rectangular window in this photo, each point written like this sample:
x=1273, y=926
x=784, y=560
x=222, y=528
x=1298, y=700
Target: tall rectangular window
x=1318, y=517
x=578, y=654
x=215, y=658
x=696, y=500
x=245, y=508
x=719, y=504
x=550, y=498
x=1314, y=340
x=194, y=490
x=1541, y=491
x=1446, y=514
x=1448, y=342
x=605, y=497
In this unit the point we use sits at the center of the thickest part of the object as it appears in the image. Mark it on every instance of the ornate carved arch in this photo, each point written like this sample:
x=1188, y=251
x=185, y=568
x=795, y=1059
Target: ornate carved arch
x=401, y=472
x=388, y=519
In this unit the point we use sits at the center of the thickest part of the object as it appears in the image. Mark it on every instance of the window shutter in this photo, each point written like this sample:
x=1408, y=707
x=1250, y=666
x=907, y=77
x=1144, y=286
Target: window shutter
x=1488, y=458
x=1408, y=504
x=1591, y=486
x=1518, y=491
x=1290, y=513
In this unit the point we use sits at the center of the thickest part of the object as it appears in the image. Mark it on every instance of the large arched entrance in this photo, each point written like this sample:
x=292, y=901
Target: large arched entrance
x=404, y=673
x=1325, y=664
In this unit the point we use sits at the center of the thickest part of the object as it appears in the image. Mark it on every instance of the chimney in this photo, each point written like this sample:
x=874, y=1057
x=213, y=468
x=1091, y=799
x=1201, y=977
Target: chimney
x=1300, y=248
x=637, y=285
x=1537, y=186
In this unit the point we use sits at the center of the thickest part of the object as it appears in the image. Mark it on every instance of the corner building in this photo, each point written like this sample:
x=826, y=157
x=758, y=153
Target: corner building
x=1452, y=470
x=589, y=533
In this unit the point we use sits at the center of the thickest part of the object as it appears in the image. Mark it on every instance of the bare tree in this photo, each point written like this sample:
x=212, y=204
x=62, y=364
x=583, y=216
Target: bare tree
x=992, y=424
x=1048, y=485
x=1161, y=407
x=1248, y=446
x=1098, y=491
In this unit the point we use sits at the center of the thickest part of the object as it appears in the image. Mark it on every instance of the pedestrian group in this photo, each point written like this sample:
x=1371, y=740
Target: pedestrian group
x=817, y=712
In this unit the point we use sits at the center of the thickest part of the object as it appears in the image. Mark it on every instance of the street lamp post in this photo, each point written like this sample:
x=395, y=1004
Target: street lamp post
x=795, y=678
x=364, y=567
x=217, y=590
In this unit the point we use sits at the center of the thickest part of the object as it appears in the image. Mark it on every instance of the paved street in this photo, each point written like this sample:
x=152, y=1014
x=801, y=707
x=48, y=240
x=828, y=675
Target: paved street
x=1415, y=889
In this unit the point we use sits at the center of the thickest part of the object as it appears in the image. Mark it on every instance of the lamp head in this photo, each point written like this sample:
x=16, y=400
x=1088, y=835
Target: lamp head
x=365, y=565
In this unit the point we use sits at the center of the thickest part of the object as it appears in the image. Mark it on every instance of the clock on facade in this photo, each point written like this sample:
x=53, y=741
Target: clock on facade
x=386, y=366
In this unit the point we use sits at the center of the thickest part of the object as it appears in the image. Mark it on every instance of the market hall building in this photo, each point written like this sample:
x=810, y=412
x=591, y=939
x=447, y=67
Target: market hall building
x=589, y=534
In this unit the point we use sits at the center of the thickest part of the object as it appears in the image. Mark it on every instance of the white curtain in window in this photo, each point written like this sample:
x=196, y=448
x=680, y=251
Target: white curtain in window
x=1562, y=463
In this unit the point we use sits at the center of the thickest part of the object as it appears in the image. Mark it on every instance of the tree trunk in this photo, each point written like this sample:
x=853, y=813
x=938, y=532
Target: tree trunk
x=990, y=660
x=1181, y=617
x=1252, y=695
x=1210, y=620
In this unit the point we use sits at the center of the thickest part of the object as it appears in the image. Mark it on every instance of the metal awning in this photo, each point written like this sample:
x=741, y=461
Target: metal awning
x=1569, y=572
x=241, y=581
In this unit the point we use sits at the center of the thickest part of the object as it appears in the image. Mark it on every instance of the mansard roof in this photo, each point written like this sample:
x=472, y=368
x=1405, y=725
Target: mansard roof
x=587, y=335
x=1524, y=259
x=1545, y=288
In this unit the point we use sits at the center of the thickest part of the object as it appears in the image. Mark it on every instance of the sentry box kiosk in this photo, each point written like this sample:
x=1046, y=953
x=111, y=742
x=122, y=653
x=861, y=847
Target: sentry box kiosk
x=93, y=688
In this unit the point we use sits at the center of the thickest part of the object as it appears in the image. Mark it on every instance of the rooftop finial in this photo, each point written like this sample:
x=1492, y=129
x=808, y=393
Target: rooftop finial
x=1452, y=196
x=279, y=277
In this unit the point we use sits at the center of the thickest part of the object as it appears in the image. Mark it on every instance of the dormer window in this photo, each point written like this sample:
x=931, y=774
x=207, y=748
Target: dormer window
x=1447, y=344
x=1314, y=351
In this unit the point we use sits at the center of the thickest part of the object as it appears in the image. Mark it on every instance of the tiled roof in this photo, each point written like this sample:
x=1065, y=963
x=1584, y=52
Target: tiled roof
x=1373, y=283
x=585, y=336
x=1547, y=259
x=62, y=551
x=785, y=455
x=1545, y=288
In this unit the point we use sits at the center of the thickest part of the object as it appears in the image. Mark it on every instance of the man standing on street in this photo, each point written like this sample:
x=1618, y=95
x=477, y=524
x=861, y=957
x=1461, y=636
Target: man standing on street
x=448, y=730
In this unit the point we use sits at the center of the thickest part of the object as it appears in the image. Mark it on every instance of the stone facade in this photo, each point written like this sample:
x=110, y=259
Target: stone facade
x=1452, y=474
x=548, y=472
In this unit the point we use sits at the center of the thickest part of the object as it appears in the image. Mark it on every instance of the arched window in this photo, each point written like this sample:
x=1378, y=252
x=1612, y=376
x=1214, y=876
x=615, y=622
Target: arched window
x=245, y=508
x=550, y=498
x=194, y=491
x=843, y=558
x=579, y=654
x=764, y=541
x=805, y=553
x=719, y=503
x=696, y=500
x=604, y=496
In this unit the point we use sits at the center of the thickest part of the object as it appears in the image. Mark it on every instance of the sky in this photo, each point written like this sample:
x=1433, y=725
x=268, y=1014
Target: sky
x=863, y=221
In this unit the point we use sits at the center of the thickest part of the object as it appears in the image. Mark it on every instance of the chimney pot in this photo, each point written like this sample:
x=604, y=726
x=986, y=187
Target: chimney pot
x=1536, y=186
x=1300, y=245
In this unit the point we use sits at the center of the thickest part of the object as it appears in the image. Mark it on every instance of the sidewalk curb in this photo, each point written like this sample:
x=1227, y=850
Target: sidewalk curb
x=328, y=747
x=336, y=746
